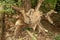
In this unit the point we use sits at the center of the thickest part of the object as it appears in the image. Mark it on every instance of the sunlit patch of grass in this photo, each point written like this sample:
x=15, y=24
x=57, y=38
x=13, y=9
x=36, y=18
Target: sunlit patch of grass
x=57, y=37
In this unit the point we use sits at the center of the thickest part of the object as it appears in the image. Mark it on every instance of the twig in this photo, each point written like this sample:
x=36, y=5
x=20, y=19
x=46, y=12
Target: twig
x=39, y=4
x=31, y=35
x=48, y=16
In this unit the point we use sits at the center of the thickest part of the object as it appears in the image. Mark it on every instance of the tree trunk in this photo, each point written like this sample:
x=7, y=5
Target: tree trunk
x=3, y=27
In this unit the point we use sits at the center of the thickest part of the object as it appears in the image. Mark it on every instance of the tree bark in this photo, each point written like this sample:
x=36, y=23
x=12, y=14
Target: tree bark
x=3, y=27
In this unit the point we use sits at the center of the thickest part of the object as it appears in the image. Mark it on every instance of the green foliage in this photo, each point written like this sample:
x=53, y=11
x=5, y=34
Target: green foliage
x=7, y=5
x=1, y=8
x=57, y=8
x=34, y=3
x=52, y=3
x=19, y=3
x=48, y=5
x=57, y=37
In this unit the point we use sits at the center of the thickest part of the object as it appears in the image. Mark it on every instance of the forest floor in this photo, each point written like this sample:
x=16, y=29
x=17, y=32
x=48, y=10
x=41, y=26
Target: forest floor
x=53, y=31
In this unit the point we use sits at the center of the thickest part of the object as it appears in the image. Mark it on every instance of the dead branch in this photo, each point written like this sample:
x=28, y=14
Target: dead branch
x=42, y=29
x=16, y=8
x=32, y=17
x=31, y=35
x=26, y=4
x=26, y=18
x=39, y=4
x=48, y=16
x=50, y=12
